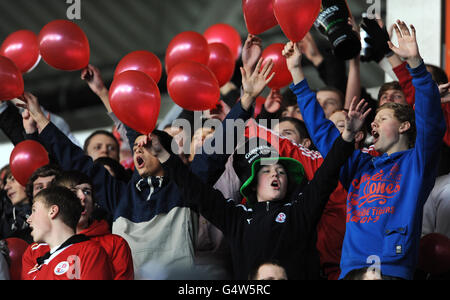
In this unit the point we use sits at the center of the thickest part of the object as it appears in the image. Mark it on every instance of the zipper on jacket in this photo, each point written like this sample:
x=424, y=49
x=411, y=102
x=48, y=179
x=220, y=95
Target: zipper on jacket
x=267, y=206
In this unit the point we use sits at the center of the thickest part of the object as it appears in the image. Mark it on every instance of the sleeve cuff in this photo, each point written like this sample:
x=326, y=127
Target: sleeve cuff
x=419, y=71
x=300, y=87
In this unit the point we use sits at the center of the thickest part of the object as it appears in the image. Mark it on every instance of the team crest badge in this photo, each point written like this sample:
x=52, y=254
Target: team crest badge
x=281, y=218
x=62, y=268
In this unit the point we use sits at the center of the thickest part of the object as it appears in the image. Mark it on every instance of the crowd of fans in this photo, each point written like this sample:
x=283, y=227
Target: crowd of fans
x=343, y=186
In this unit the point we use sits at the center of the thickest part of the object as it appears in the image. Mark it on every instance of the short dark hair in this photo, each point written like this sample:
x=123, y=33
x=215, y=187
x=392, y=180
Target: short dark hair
x=119, y=171
x=69, y=205
x=439, y=75
x=288, y=99
x=45, y=171
x=72, y=178
x=334, y=90
x=299, y=125
x=98, y=132
x=393, y=85
x=356, y=274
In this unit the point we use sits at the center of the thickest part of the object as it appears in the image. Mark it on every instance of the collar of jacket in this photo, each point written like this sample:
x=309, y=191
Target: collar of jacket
x=267, y=205
x=157, y=181
x=379, y=161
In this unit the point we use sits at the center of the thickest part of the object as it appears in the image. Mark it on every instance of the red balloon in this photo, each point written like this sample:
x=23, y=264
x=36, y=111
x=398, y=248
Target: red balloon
x=221, y=62
x=11, y=80
x=225, y=34
x=434, y=253
x=187, y=46
x=143, y=61
x=135, y=99
x=258, y=15
x=26, y=158
x=22, y=47
x=282, y=76
x=16, y=248
x=193, y=86
x=64, y=45
x=296, y=17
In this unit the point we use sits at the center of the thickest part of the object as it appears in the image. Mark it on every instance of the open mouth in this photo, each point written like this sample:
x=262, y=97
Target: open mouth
x=139, y=162
x=375, y=135
x=10, y=195
x=275, y=184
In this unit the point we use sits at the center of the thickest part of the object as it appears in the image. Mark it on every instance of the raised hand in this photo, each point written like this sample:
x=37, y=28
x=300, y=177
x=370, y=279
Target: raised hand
x=407, y=44
x=255, y=82
x=251, y=52
x=293, y=56
x=355, y=118
x=94, y=79
x=33, y=116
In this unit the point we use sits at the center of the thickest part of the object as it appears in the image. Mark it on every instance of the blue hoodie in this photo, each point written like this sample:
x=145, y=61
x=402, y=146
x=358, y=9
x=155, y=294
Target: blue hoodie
x=386, y=194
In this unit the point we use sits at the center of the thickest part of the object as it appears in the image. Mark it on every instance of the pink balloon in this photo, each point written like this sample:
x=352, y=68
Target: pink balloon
x=193, y=86
x=64, y=45
x=187, y=46
x=258, y=15
x=221, y=62
x=22, y=47
x=282, y=76
x=26, y=158
x=225, y=34
x=143, y=61
x=11, y=80
x=296, y=17
x=135, y=99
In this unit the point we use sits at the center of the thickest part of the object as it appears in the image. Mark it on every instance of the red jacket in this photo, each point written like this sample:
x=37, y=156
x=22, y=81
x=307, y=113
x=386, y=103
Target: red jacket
x=116, y=248
x=405, y=80
x=86, y=260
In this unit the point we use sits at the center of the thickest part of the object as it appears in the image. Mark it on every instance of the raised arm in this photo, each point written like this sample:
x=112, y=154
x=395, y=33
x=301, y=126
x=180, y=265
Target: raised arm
x=210, y=166
x=69, y=156
x=325, y=180
x=430, y=121
x=322, y=131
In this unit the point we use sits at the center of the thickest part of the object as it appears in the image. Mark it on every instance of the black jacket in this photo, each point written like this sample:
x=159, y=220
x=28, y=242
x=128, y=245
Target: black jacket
x=274, y=230
x=13, y=219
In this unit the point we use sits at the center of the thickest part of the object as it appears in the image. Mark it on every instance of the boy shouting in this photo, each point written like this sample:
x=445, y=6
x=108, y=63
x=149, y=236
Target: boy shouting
x=386, y=194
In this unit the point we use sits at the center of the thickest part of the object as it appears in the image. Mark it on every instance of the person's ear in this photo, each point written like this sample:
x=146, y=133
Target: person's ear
x=404, y=127
x=306, y=143
x=53, y=211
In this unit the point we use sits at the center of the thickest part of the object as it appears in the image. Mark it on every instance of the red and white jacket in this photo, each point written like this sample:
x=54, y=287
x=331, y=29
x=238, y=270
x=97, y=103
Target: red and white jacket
x=116, y=248
x=85, y=260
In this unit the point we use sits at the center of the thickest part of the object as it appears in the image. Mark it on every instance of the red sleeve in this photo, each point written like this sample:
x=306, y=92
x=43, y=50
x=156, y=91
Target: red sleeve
x=122, y=260
x=405, y=79
x=27, y=263
x=311, y=160
x=29, y=257
x=446, y=109
x=94, y=263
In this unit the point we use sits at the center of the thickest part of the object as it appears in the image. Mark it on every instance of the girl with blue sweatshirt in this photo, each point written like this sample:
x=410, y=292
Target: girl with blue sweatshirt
x=386, y=194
